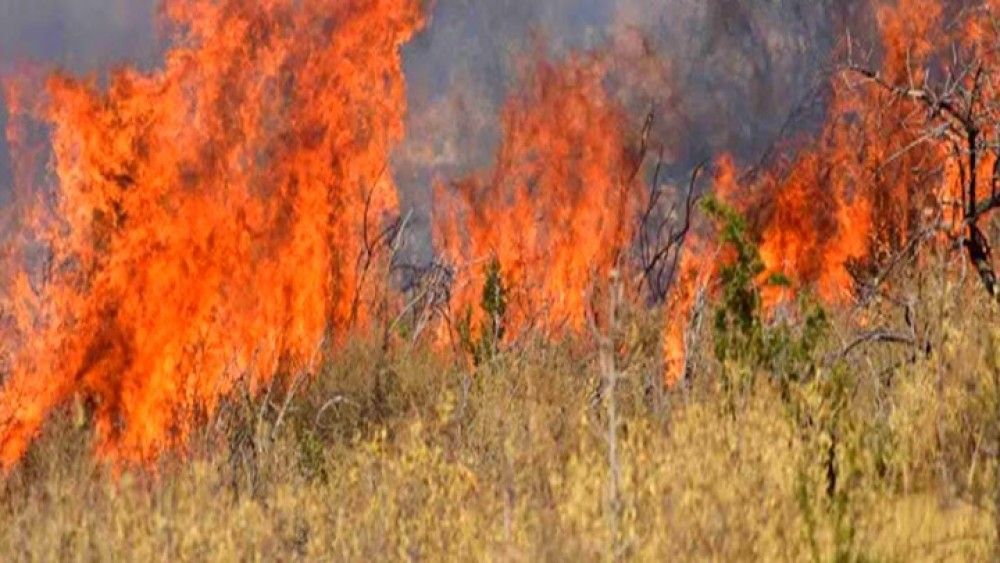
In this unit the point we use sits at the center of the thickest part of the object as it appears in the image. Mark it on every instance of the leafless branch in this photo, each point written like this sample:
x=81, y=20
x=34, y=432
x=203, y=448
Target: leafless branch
x=957, y=107
x=661, y=245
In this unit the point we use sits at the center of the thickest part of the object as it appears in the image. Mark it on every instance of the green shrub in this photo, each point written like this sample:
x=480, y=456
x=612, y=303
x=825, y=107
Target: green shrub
x=484, y=344
x=745, y=342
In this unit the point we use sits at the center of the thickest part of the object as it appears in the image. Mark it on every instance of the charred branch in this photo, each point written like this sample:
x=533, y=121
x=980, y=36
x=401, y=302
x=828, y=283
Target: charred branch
x=662, y=239
x=956, y=111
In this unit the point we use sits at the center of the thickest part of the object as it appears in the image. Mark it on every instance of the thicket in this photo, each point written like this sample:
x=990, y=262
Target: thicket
x=791, y=439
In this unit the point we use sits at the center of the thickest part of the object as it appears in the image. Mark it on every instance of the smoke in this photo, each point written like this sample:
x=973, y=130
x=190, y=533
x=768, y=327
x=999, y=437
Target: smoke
x=737, y=68
x=740, y=69
x=721, y=75
x=78, y=35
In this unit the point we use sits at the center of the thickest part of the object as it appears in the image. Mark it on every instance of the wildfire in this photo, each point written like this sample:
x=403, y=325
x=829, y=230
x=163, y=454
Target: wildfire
x=876, y=177
x=558, y=208
x=200, y=227
x=208, y=217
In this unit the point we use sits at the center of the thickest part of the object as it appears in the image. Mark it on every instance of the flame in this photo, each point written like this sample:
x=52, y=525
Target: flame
x=202, y=225
x=557, y=209
x=870, y=180
x=208, y=216
x=693, y=273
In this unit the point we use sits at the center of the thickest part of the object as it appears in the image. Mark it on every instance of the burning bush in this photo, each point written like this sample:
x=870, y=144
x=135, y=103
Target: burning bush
x=207, y=218
x=558, y=209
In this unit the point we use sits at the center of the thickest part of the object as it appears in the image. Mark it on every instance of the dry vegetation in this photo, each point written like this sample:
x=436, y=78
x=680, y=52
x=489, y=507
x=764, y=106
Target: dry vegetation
x=159, y=398
x=888, y=452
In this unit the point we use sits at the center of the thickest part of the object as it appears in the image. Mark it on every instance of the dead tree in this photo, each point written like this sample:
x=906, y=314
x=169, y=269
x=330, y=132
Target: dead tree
x=960, y=112
x=663, y=232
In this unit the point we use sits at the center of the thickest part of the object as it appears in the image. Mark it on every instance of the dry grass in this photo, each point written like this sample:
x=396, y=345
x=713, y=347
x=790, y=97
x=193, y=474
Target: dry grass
x=410, y=454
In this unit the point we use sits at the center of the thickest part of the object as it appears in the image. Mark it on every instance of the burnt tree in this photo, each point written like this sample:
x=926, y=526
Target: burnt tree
x=962, y=111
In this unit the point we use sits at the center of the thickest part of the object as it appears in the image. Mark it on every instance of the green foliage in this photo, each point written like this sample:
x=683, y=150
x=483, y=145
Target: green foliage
x=484, y=344
x=746, y=344
x=744, y=341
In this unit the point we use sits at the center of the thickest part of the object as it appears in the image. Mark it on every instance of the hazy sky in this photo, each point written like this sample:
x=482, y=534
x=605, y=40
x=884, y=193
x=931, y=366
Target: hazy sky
x=79, y=34
x=730, y=57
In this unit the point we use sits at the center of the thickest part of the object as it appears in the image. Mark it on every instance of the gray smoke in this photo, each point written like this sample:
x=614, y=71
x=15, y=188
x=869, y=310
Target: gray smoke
x=721, y=75
x=78, y=36
x=741, y=68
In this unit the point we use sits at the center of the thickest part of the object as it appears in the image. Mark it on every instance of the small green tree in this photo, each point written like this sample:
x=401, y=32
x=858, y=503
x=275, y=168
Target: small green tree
x=745, y=342
x=485, y=344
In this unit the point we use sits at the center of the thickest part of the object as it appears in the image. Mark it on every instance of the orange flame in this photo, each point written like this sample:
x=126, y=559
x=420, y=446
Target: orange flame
x=208, y=216
x=874, y=176
x=557, y=210
x=206, y=220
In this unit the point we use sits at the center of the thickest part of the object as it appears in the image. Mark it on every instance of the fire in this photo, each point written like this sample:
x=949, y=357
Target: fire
x=208, y=217
x=202, y=226
x=693, y=273
x=824, y=216
x=814, y=222
x=876, y=176
x=558, y=208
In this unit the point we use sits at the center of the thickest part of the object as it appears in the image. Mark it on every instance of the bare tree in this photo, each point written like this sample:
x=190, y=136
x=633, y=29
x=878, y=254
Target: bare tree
x=961, y=112
x=663, y=230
